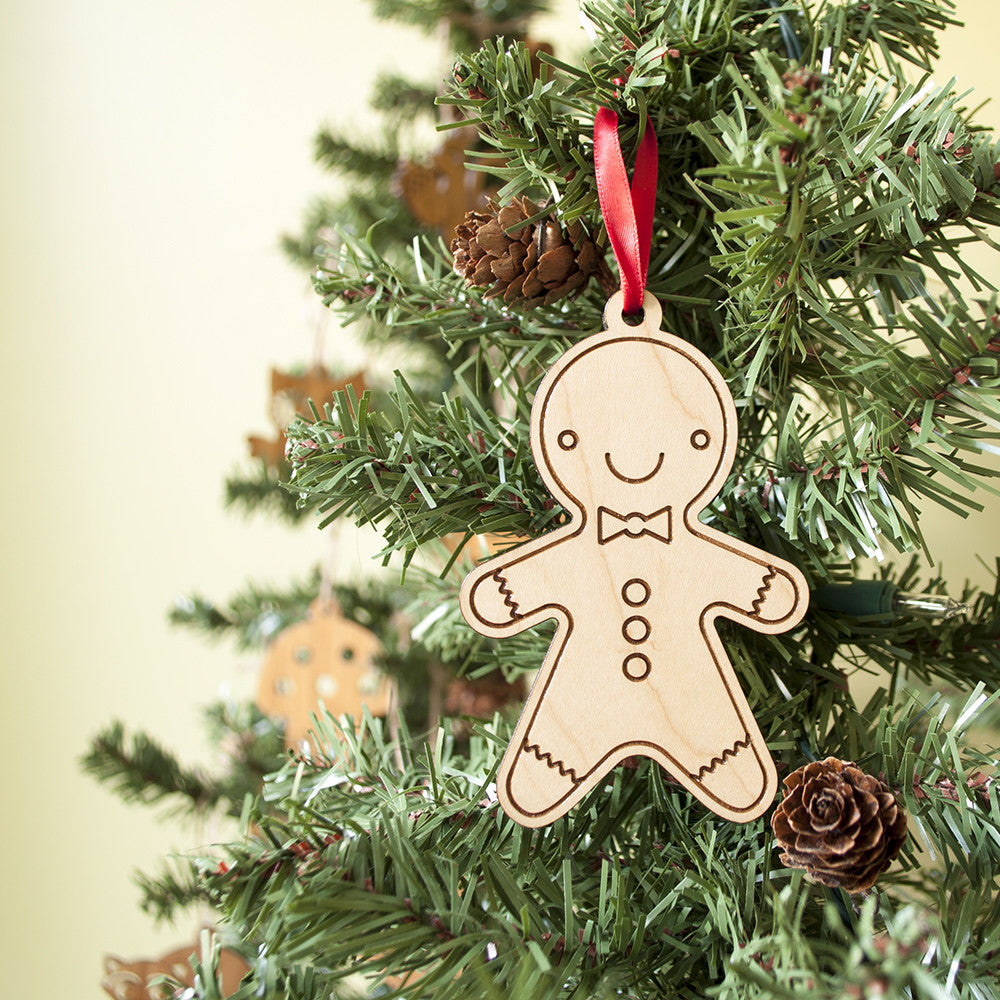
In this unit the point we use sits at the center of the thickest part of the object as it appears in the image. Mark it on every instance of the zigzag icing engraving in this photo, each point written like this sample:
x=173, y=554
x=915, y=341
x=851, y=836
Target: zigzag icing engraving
x=710, y=767
x=547, y=758
x=507, y=594
x=762, y=590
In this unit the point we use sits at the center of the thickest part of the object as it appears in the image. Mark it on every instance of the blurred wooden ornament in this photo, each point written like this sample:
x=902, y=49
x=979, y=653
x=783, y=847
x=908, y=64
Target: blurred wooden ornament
x=134, y=980
x=290, y=396
x=480, y=547
x=326, y=658
x=439, y=193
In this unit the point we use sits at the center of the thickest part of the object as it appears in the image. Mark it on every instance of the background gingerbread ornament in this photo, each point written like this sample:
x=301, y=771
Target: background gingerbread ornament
x=634, y=431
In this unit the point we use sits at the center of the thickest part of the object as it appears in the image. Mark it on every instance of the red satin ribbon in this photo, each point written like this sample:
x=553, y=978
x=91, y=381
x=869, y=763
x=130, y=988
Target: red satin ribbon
x=628, y=211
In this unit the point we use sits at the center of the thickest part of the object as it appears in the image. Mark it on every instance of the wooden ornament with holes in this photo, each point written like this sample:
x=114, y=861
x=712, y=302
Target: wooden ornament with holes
x=326, y=658
x=634, y=432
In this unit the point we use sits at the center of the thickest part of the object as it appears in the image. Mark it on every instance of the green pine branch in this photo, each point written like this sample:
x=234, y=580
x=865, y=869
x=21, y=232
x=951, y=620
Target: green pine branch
x=141, y=769
x=421, y=298
x=469, y=21
x=138, y=768
x=421, y=475
x=336, y=152
x=382, y=868
x=400, y=99
x=262, y=494
x=253, y=616
x=176, y=888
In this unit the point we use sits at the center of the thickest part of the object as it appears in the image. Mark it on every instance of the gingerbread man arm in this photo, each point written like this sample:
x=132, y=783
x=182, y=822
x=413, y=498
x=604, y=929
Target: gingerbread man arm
x=754, y=588
x=520, y=588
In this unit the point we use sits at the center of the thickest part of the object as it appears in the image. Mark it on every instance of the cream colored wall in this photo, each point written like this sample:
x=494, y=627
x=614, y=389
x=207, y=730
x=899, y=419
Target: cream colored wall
x=151, y=154
x=967, y=548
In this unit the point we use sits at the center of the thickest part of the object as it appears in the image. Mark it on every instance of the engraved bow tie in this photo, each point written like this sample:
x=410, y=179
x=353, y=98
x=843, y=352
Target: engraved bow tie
x=611, y=524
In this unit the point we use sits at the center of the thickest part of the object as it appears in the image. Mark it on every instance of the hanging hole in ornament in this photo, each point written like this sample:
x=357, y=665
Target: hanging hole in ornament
x=303, y=654
x=369, y=683
x=326, y=686
x=347, y=653
x=284, y=686
x=634, y=319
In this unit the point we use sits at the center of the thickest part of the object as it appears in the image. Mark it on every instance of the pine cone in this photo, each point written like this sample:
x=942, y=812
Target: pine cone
x=807, y=79
x=482, y=696
x=540, y=262
x=479, y=698
x=841, y=825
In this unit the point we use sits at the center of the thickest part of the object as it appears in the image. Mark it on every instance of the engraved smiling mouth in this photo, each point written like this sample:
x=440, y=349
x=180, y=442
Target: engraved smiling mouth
x=631, y=479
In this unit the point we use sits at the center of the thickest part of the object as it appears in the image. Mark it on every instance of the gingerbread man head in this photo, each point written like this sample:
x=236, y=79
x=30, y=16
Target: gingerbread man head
x=634, y=422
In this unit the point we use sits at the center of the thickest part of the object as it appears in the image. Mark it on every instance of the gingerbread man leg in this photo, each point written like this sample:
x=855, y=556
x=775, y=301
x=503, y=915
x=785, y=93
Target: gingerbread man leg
x=537, y=787
x=721, y=755
x=535, y=783
x=688, y=713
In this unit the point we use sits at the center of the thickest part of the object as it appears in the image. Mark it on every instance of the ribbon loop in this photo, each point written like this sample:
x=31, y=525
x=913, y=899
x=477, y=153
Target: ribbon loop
x=627, y=209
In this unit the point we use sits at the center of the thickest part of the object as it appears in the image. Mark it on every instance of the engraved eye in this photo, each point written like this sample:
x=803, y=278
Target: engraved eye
x=568, y=440
x=700, y=439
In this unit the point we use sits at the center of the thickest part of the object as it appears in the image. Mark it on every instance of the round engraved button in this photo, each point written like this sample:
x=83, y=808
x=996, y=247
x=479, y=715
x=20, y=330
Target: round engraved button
x=636, y=667
x=635, y=593
x=636, y=629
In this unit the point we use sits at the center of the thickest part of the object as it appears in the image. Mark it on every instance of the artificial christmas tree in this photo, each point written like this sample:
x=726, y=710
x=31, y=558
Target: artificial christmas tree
x=808, y=227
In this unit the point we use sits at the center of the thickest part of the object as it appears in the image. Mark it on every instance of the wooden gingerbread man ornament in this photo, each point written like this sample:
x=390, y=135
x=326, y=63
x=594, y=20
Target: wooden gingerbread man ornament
x=634, y=432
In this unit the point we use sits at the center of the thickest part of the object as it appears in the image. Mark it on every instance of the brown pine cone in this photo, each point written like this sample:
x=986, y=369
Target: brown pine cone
x=540, y=262
x=841, y=825
x=479, y=698
x=482, y=696
x=808, y=80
